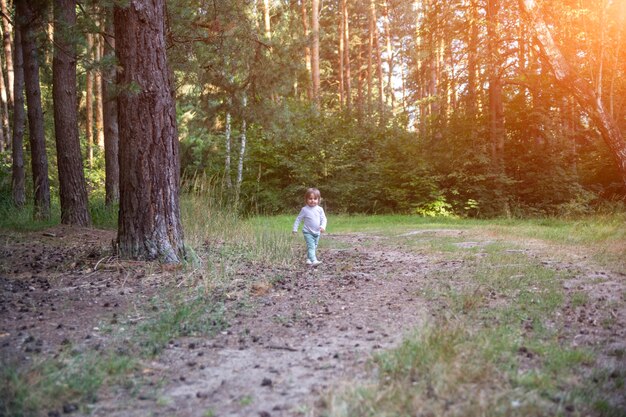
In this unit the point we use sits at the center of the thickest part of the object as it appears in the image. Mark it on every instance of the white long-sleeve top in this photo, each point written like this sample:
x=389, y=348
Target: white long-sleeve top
x=312, y=218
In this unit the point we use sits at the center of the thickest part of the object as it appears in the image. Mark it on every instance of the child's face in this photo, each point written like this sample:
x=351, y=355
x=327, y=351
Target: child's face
x=312, y=200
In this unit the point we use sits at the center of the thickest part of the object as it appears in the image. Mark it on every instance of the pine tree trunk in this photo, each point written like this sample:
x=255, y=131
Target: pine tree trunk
x=307, y=51
x=30, y=25
x=98, y=102
x=110, y=119
x=149, y=217
x=472, y=59
x=578, y=87
x=315, y=52
x=4, y=97
x=18, y=180
x=89, y=103
x=341, y=55
x=387, y=27
x=72, y=187
x=346, y=41
x=496, y=107
x=8, y=42
x=371, y=25
x=266, y=19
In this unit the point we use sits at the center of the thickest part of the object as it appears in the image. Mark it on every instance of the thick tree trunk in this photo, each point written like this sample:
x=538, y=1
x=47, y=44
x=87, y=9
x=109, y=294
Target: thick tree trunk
x=30, y=25
x=19, y=119
x=8, y=42
x=575, y=84
x=72, y=187
x=111, y=127
x=149, y=218
x=315, y=52
x=89, y=102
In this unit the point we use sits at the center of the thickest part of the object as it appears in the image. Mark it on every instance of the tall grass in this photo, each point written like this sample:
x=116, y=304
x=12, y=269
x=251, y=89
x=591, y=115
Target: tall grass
x=211, y=220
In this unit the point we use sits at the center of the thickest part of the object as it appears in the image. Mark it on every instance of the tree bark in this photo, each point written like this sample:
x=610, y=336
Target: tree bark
x=388, y=47
x=89, y=102
x=346, y=42
x=341, y=55
x=30, y=25
x=72, y=187
x=149, y=217
x=4, y=97
x=7, y=41
x=110, y=118
x=227, y=139
x=97, y=87
x=266, y=19
x=242, y=148
x=577, y=86
x=315, y=52
x=496, y=107
x=307, y=50
x=18, y=179
x=472, y=59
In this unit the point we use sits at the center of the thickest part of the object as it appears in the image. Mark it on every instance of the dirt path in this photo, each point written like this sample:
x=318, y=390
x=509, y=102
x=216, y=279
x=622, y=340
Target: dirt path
x=314, y=330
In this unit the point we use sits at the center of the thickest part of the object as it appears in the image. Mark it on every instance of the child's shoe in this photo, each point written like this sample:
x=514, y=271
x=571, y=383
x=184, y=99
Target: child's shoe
x=316, y=263
x=308, y=262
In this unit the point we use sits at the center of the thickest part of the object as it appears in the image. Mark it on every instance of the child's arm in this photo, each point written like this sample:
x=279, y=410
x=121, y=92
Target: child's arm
x=297, y=222
x=322, y=220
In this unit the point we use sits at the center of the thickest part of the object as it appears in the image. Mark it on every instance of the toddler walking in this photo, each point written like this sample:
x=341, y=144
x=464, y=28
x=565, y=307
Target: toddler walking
x=313, y=223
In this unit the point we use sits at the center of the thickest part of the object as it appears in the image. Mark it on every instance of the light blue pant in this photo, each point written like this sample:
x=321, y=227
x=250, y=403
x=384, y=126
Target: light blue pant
x=311, y=245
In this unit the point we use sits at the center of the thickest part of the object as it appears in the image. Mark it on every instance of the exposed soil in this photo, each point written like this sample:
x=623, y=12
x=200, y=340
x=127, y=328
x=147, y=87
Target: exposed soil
x=306, y=335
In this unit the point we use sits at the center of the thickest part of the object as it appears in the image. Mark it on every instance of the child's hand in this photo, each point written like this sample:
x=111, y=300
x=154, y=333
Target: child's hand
x=322, y=229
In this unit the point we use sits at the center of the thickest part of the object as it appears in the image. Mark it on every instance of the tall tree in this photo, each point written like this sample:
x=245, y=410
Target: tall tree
x=4, y=97
x=577, y=86
x=72, y=187
x=111, y=128
x=29, y=20
x=149, y=216
x=496, y=107
x=18, y=180
x=89, y=81
x=307, y=50
x=315, y=52
x=346, y=61
x=97, y=89
x=7, y=42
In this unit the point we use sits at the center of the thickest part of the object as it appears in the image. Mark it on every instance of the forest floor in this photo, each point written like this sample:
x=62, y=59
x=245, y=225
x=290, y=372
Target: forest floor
x=291, y=340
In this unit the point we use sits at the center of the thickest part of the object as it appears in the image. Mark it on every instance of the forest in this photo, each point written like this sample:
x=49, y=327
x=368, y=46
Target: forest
x=460, y=108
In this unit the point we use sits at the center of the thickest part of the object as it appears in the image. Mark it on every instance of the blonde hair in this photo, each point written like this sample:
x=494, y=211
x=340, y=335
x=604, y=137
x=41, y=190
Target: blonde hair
x=313, y=191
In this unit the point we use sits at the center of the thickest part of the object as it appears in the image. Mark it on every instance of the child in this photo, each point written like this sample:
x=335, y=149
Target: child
x=314, y=223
